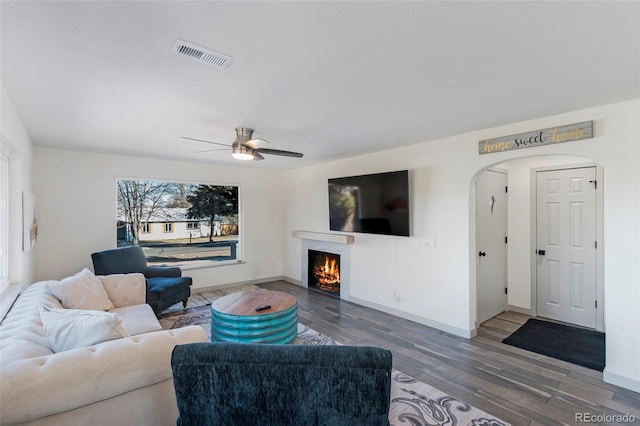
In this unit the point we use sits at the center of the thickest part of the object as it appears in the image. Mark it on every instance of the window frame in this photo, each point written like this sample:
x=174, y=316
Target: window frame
x=5, y=211
x=200, y=264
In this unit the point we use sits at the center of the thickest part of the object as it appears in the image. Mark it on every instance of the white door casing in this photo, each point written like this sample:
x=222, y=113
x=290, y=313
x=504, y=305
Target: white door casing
x=566, y=253
x=491, y=234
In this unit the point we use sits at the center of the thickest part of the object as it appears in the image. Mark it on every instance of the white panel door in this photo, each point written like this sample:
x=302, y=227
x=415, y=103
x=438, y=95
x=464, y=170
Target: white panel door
x=566, y=246
x=491, y=233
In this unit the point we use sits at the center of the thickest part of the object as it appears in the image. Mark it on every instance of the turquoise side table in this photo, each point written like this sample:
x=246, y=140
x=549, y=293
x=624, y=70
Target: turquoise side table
x=260, y=316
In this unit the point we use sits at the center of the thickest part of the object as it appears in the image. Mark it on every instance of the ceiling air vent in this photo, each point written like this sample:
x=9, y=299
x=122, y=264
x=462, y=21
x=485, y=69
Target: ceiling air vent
x=202, y=55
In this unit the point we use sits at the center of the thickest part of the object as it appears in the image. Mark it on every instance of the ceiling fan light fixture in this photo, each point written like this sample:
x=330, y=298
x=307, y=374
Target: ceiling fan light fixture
x=241, y=156
x=246, y=148
x=242, y=153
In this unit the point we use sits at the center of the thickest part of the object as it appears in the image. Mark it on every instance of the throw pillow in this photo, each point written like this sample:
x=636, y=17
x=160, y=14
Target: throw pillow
x=76, y=328
x=81, y=291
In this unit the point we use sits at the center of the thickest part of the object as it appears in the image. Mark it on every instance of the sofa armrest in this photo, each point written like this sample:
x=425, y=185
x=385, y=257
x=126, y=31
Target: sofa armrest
x=125, y=289
x=162, y=271
x=87, y=375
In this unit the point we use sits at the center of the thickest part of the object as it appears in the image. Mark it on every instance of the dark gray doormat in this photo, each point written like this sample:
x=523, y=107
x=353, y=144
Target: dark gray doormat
x=572, y=344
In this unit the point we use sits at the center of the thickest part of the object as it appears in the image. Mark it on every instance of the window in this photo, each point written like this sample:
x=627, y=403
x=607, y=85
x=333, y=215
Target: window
x=197, y=223
x=4, y=218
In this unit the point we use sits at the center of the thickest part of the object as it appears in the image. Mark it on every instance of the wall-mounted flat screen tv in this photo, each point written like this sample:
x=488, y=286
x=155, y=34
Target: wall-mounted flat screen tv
x=375, y=204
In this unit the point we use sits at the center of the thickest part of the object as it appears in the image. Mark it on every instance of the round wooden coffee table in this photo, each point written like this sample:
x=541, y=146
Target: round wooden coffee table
x=259, y=316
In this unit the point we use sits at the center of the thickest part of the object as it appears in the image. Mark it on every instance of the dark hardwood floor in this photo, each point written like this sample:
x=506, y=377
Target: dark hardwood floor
x=518, y=386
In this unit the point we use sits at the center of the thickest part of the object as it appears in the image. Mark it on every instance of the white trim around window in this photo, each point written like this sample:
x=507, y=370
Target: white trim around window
x=4, y=218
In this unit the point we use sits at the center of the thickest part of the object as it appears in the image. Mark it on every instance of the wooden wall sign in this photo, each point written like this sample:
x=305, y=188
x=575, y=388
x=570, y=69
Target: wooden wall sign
x=568, y=133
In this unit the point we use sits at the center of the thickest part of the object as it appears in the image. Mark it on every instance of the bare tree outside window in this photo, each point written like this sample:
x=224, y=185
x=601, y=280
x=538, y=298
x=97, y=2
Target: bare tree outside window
x=202, y=219
x=138, y=200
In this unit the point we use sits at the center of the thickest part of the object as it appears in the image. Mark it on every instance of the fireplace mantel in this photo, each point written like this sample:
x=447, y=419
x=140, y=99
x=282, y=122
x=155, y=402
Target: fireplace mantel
x=321, y=236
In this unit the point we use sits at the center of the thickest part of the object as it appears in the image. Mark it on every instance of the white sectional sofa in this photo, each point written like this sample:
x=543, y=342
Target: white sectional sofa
x=124, y=381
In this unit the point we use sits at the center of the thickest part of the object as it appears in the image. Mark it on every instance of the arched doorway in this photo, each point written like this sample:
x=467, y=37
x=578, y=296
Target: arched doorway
x=523, y=264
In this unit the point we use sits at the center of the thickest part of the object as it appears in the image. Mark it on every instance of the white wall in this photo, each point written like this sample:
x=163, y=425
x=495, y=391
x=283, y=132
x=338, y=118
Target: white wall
x=15, y=140
x=434, y=270
x=77, y=204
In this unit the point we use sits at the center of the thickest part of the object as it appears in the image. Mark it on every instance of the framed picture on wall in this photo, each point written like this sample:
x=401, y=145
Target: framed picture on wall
x=29, y=221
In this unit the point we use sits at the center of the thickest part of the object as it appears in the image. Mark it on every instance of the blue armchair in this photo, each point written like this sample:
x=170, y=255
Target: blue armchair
x=165, y=284
x=249, y=384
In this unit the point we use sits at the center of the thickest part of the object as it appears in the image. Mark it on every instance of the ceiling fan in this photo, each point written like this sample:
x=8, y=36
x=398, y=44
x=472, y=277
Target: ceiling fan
x=245, y=147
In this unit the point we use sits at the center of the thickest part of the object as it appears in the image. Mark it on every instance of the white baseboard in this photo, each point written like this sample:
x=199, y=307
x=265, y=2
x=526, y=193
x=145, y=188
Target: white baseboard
x=460, y=332
x=292, y=281
x=619, y=380
x=519, y=309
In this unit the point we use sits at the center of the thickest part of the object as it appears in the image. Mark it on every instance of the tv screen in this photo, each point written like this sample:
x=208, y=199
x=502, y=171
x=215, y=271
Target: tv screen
x=374, y=204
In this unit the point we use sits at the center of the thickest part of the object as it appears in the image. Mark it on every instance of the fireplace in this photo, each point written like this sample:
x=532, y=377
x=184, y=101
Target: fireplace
x=337, y=248
x=324, y=271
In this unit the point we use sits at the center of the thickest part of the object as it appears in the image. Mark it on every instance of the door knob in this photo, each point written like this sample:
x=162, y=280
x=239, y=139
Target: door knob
x=541, y=252
x=482, y=253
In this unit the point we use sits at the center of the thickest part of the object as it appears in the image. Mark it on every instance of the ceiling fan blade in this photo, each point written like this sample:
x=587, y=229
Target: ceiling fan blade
x=247, y=145
x=279, y=152
x=211, y=150
x=200, y=140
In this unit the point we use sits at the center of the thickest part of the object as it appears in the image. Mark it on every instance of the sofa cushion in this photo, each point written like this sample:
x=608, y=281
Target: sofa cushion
x=138, y=319
x=76, y=328
x=21, y=332
x=22, y=349
x=125, y=289
x=81, y=291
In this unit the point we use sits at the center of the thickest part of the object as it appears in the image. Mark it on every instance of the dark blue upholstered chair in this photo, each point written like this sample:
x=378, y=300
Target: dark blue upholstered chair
x=165, y=284
x=252, y=384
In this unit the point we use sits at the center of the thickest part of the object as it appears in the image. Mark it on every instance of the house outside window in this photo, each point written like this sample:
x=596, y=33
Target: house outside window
x=193, y=225
x=146, y=228
x=168, y=227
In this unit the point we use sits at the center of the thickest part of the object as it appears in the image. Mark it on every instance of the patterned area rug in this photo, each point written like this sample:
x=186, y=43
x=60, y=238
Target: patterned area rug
x=412, y=402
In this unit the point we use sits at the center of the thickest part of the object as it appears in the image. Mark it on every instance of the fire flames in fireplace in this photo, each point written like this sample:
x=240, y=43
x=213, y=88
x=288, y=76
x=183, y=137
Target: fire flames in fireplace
x=326, y=272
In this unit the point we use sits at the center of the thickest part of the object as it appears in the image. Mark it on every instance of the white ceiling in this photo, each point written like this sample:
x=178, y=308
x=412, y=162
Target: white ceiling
x=329, y=79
